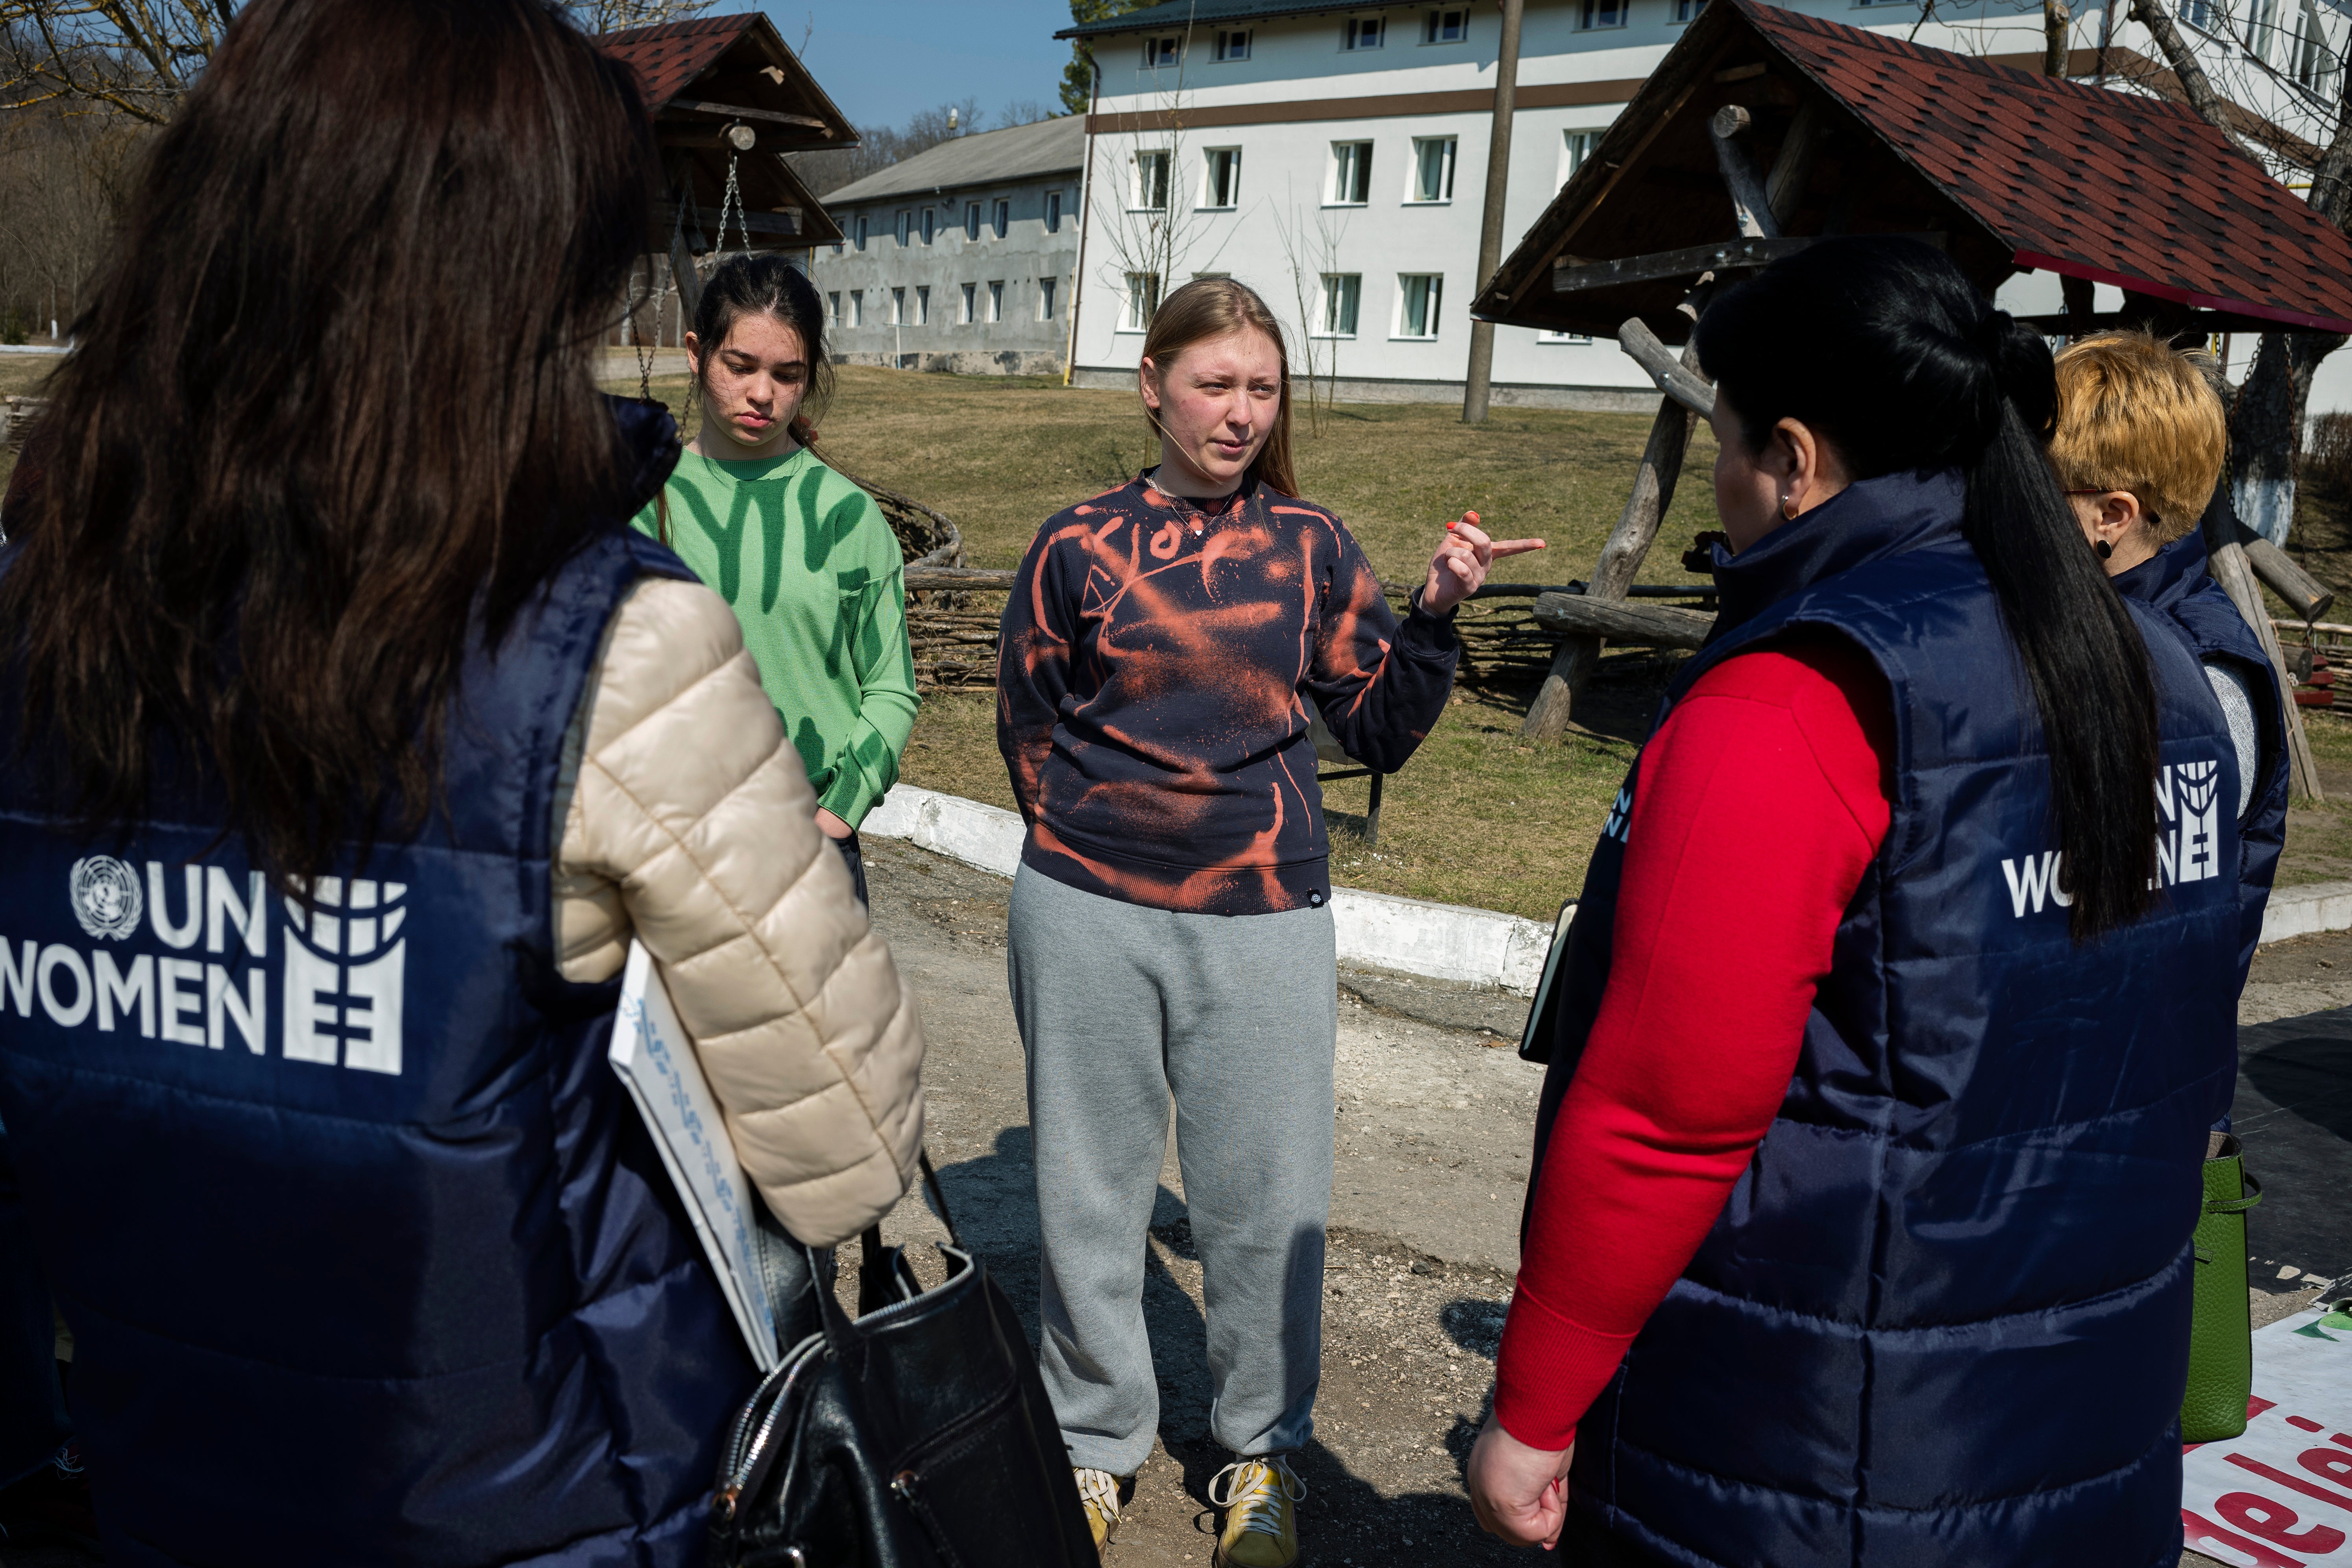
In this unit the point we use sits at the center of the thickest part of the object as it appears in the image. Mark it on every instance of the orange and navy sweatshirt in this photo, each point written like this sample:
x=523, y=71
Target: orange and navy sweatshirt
x=1153, y=682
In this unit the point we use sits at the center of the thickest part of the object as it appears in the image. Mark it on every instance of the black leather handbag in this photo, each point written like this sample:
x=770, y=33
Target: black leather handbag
x=917, y=1435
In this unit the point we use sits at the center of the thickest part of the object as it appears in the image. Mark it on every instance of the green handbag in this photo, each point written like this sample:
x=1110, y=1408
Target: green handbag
x=2221, y=1331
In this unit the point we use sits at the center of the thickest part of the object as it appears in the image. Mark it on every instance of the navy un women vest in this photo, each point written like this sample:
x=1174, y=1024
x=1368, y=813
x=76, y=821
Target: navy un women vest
x=2176, y=581
x=1944, y=1316
x=367, y=1255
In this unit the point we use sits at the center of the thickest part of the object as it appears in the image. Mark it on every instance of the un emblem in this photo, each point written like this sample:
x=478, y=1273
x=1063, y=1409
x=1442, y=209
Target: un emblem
x=105, y=897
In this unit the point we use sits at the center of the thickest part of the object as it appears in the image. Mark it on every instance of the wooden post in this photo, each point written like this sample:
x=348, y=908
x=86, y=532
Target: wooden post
x=1761, y=207
x=1621, y=558
x=1479, y=383
x=2237, y=580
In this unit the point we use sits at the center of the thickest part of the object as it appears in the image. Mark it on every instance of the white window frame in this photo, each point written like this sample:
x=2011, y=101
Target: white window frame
x=1232, y=43
x=1589, y=16
x=1548, y=336
x=922, y=304
x=1164, y=51
x=2197, y=14
x=1433, y=306
x=1351, y=165
x=1045, y=292
x=832, y=307
x=930, y=223
x=1339, y=312
x=1575, y=147
x=1679, y=12
x=1142, y=302
x=906, y=225
x=1139, y=183
x=1000, y=216
x=857, y=307
x=996, y=301
x=861, y=231
x=969, y=308
x=1357, y=33
x=897, y=308
x=1233, y=194
x=1414, y=196
x=970, y=221
x=1053, y=212
x=1433, y=27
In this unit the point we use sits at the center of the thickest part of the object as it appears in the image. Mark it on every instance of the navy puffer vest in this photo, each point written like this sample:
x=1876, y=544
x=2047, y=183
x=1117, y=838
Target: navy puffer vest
x=2178, y=581
x=1944, y=1316
x=367, y=1255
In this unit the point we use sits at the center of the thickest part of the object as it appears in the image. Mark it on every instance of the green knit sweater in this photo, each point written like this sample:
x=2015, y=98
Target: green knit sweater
x=813, y=571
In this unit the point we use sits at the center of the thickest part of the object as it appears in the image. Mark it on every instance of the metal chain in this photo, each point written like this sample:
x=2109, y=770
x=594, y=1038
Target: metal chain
x=733, y=202
x=661, y=305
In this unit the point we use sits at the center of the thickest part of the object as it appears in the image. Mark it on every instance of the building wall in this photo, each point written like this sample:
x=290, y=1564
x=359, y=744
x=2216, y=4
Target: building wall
x=1026, y=341
x=1285, y=230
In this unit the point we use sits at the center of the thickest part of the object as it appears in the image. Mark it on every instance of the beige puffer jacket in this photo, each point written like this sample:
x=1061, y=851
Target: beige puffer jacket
x=684, y=817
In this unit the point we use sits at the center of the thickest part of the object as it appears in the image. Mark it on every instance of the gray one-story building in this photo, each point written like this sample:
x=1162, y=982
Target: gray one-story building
x=962, y=258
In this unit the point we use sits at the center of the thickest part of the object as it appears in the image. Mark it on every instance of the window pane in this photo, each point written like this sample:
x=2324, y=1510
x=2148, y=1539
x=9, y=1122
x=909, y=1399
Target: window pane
x=1045, y=298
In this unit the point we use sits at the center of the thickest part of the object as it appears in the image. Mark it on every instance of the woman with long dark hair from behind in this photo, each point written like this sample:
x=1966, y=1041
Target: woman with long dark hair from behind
x=1869, y=1155
x=804, y=557
x=349, y=734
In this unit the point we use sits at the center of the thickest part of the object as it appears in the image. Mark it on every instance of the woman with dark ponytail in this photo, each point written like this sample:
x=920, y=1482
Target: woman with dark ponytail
x=1869, y=1157
x=805, y=558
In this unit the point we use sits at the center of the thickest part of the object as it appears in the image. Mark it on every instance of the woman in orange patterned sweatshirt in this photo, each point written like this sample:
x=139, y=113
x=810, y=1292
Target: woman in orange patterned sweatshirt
x=1163, y=649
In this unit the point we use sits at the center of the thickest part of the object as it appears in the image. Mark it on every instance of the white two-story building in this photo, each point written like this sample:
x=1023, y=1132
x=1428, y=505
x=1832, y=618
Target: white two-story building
x=1335, y=158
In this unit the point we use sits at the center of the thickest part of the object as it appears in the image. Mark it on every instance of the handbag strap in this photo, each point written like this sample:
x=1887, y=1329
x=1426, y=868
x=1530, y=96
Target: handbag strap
x=2237, y=1205
x=875, y=1267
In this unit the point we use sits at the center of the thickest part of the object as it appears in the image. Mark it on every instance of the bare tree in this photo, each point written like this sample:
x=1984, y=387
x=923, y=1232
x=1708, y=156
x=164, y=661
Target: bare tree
x=133, y=56
x=1311, y=250
x=2266, y=424
x=593, y=16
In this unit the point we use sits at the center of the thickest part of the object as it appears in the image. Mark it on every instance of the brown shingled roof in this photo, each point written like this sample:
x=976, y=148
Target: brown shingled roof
x=2019, y=170
x=668, y=56
x=695, y=77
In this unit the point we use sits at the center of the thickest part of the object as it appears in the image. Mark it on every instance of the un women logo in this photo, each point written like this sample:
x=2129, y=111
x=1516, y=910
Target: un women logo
x=105, y=897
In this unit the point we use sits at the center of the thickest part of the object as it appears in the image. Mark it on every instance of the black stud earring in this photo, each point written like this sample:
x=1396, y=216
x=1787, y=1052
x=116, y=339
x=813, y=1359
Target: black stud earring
x=2104, y=549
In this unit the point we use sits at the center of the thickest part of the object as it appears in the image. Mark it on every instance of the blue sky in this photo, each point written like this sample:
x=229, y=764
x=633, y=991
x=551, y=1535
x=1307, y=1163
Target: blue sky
x=883, y=59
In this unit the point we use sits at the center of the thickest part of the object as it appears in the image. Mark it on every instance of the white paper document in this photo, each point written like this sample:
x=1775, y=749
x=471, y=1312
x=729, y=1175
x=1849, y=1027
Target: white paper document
x=657, y=1061
x=2281, y=1495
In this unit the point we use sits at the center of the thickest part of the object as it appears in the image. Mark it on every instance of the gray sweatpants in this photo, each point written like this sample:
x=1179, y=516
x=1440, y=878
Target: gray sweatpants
x=1238, y=1017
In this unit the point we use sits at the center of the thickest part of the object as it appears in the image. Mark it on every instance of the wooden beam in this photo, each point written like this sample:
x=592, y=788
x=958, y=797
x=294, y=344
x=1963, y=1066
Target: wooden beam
x=2237, y=580
x=1644, y=626
x=755, y=222
x=922, y=577
x=1653, y=495
x=738, y=111
x=1729, y=128
x=1572, y=276
x=1686, y=387
x=1792, y=166
x=2307, y=596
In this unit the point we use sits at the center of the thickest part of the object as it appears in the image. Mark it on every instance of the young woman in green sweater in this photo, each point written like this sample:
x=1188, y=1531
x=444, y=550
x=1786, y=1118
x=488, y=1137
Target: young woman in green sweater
x=805, y=557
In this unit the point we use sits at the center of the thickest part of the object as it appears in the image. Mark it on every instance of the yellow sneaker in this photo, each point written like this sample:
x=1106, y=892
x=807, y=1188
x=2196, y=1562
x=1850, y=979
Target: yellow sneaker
x=1260, y=1502
x=1098, y=1495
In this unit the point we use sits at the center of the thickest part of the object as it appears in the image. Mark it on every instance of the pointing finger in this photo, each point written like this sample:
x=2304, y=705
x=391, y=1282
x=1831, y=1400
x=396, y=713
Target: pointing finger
x=1517, y=546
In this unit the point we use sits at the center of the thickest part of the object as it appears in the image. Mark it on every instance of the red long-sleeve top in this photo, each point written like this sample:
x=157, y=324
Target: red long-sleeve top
x=1758, y=806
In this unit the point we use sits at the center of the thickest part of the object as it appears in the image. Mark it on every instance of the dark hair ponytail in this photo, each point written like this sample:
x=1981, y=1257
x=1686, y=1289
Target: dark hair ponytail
x=757, y=284
x=1885, y=348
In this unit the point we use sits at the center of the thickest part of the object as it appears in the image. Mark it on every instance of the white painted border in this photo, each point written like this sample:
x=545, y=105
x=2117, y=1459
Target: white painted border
x=2313, y=907
x=1444, y=941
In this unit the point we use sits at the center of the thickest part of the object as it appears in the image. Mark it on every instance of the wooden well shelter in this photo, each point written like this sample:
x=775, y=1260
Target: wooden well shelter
x=1764, y=131
x=726, y=94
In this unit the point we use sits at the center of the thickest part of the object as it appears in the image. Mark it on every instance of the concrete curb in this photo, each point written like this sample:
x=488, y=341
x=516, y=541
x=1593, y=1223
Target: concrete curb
x=1444, y=941
x=2313, y=907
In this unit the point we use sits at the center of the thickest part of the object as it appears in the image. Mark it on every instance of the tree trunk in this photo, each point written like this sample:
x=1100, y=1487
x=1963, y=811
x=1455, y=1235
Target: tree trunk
x=2055, y=18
